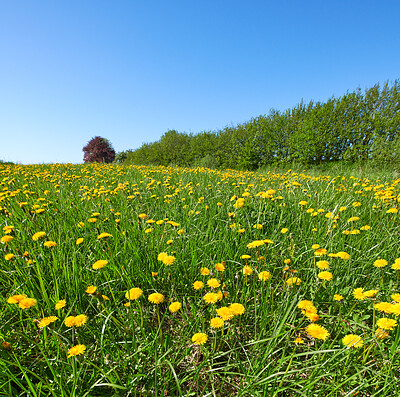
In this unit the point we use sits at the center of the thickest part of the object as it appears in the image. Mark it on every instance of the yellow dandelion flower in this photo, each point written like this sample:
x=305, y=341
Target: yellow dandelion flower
x=317, y=331
x=70, y=321
x=213, y=283
x=45, y=321
x=216, y=322
x=142, y=216
x=358, y=293
x=38, y=236
x=264, y=276
x=327, y=276
x=380, y=263
x=220, y=267
x=237, y=309
x=225, y=313
x=204, y=271
x=198, y=285
x=323, y=265
x=320, y=252
x=103, y=236
x=174, y=307
x=392, y=211
x=384, y=307
x=91, y=289
x=371, y=293
x=99, y=264
x=79, y=241
x=156, y=298
x=299, y=340
x=380, y=333
x=211, y=297
x=386, y=323
x=8, y=257
x=293, y=281
x=60, y=304
x=338, y=297
x=352, y=340
x=16, y=298
x=284, y=230
x=76, y=350
x=133, y=294
x=396, y=297
x=199, y=338
x=27, y=303
x=81, y=320
x=168, y=260
x=161, y=256
x=247, y=270
x=6, y=239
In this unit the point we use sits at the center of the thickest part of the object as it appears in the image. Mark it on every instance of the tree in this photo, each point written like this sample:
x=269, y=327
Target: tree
x=98, y=150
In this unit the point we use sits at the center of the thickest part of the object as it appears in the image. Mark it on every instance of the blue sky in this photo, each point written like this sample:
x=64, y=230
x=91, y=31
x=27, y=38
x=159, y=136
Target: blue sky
x=131, y=70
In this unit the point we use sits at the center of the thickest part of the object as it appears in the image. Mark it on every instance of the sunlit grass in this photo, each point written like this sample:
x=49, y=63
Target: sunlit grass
x=164, y=281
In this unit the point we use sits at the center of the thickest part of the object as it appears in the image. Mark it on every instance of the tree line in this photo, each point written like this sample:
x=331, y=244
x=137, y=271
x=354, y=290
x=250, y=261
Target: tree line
x=356, y=126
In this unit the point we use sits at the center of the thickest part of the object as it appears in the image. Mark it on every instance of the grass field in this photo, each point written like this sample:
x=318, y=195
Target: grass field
x=153, y=281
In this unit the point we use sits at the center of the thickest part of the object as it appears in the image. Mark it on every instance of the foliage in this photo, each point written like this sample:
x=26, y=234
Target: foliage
x=98, y=150
x=349, y=128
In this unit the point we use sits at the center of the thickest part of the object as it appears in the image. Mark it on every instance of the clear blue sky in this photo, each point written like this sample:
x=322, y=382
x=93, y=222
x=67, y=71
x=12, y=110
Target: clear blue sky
x=131, y=70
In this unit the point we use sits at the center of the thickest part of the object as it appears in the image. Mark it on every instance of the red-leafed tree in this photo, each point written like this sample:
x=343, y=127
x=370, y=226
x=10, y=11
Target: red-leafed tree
x=98, y=150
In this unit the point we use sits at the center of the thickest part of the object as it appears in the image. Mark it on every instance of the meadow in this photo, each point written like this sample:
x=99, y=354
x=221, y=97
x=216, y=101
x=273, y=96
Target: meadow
x=163, y=281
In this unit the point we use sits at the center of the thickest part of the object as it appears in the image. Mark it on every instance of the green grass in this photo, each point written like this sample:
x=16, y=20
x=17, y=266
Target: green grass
x=144, y=349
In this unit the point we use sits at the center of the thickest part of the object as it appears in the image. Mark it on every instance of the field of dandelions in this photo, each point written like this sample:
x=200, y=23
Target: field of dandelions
x=154, y=281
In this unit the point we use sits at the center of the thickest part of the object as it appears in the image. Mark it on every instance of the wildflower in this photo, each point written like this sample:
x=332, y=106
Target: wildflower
x=103, y=235
x=343, y=255
x=142, y=216
x=76, y=350
x=169, y=242
x=50, y=244
x=174, y=307
x=216, y=322
x=392, y=211
x=384, y=307
x=352, y=340
x=27, y=303
x=38, y=236
x=91, y=289
x=237, y=309
x=213, y=283
x=161, y=256
x=180, y=232
x=80, y=320
x=133, y=294
x=312, y=316
x=386, y=323
x=220, y=267
x=6, y=345
x=299, y=340
x=323, y=265
x=16, y=298
x=371, y=293
x=325, y=276
x=79, y=241
x=287, y=261
x=211, y=297
x=198, y=285
x=258, y=226
x=6, y=239
x=204, y=271
x=320, y=252
x=8, y=257
x=380, y=333
x=284, y=230
x=396, y=297
x=168, y=260
x=99, y=264
x=396, y=264
x=69, y=321
x=247, y=270
x=156, y=298
x=255, y=244
x=356, y=204
x=380, y=263
x=60, y=304
x=293, y=281
x=366, y=227
x=245, y=256
x=199, y=339
x=264, y=276
x=353, y=219
x=306, y=305
x=302, y=203
x=317, y=331
x=44, y=322
x=225, y=313
x=358, y=293
x=338, y=297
